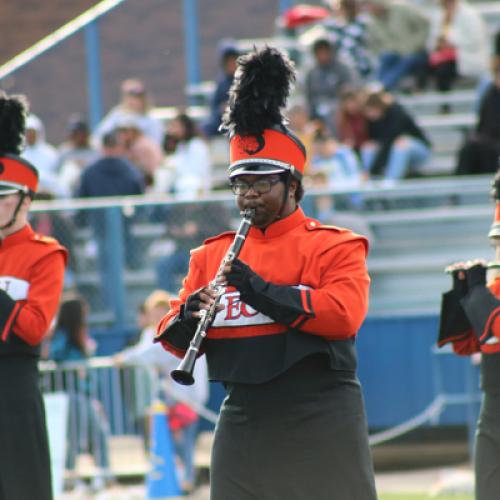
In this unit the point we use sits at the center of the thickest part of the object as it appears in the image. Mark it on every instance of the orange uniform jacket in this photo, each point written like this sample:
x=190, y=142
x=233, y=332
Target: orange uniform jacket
x=323, y=278
x=31, y=281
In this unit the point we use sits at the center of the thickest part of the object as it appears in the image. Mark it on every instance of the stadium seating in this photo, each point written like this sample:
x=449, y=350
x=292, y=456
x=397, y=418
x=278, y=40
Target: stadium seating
x=415, y=230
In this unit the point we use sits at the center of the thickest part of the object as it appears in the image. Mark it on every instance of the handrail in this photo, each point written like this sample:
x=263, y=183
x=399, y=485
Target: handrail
x=461, y=185
x=57, y=36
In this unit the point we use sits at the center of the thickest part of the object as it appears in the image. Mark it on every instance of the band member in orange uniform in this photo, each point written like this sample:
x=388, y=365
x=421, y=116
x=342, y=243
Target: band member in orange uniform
x=470, y=320
x=293, y=423
x=31, y=280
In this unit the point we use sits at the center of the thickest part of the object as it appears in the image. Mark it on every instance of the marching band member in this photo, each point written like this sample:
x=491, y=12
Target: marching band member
x=31, y=281
x=470, y=320
x=293, y=423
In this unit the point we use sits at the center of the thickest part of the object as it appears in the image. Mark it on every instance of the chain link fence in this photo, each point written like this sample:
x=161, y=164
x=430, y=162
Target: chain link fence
x=122, y=249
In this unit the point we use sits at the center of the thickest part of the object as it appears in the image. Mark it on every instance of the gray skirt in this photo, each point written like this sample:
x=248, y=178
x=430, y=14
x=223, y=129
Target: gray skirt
x=300, y=436
x=24, y=449
x=487, y=452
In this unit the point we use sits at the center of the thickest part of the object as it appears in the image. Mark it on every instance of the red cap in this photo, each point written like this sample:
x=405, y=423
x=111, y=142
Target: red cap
x=304, y=14
x=272, y=152
x=17, y=174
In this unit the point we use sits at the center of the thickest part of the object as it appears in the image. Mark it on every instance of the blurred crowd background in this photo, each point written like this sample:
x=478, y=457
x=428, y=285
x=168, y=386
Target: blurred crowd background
x=397, y=103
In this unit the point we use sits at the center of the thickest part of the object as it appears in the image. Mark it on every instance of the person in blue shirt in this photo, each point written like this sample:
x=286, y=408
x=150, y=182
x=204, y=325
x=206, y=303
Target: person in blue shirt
x=219, y=100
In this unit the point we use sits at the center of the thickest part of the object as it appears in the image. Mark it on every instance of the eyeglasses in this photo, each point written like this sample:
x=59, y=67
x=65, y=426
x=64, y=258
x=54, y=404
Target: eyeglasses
x=261, y=186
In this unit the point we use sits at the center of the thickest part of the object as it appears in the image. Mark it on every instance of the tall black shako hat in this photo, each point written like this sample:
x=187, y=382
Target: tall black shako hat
x=16, y=174
x=260, y=144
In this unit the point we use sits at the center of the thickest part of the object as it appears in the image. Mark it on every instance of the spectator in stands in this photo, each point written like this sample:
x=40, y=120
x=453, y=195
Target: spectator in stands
x=59, y=226
x=182, y=401
x=187, y=226
x=304, y=128
x=348, y=29
x=219, y=100
x=88, y=428
x=42, y=154
x=335, y=162
x=487, y=79
x=134, y=101
x=481, y=150
x=457, y=43
x=75, y=153
x=334, y=166
x=111, y=175
x=397, y=146
x=163, y=177
x=190, y=159
x=352, y=126
x=142, y=151
x=325, y=80
x=397, y=34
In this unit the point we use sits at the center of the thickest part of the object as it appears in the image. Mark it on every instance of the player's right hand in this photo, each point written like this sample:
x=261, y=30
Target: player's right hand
x=202, y=299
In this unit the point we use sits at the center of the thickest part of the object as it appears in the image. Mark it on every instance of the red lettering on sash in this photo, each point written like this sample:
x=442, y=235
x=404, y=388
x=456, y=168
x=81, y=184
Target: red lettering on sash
x=235, y=308
x=232, y=307
x=246, y=312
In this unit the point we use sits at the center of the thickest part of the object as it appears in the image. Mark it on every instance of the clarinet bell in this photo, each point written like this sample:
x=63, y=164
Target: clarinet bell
x=183, y=374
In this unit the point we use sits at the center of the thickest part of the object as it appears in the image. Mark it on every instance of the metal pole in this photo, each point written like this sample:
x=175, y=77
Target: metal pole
x=191, y=44
x=94, y=83
x=115, y=241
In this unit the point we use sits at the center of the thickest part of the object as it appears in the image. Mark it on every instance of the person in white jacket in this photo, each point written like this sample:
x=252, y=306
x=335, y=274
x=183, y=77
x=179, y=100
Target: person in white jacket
x=42, y=154
x=183, y=401
x=458, y=43
x=135, y=101
x=190, y=160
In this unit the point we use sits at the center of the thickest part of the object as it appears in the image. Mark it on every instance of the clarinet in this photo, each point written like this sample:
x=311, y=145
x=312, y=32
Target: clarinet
x=183, y=374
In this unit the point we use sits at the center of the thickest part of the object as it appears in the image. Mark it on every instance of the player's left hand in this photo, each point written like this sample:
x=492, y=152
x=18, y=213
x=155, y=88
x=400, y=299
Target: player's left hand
x=476, y=275
x=239, y=275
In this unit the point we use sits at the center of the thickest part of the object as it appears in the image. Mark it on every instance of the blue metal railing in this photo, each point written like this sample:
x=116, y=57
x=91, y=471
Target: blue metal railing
x=190, y=9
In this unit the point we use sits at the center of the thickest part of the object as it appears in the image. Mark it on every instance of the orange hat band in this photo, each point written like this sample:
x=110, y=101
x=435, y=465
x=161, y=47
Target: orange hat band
x=275, y=148
x=17, y=174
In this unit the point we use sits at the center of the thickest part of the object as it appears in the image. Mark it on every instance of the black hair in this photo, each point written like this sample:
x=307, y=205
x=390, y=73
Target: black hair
x=496, y=44
x=322, y=43
x=110, y=139
x=190, y=129
x=13, y=113
x=43, y=196
x=169, y=143
x=230, y=53
x=286, y=178
x=351, y=8
x=71, y=321
x=299, y=192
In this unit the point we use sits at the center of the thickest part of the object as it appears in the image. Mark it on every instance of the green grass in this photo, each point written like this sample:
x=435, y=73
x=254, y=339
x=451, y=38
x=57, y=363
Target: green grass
x=421, y=496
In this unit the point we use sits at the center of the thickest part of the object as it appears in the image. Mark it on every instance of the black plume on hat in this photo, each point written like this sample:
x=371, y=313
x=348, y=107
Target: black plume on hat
x=13, y=113
x=259, y=92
